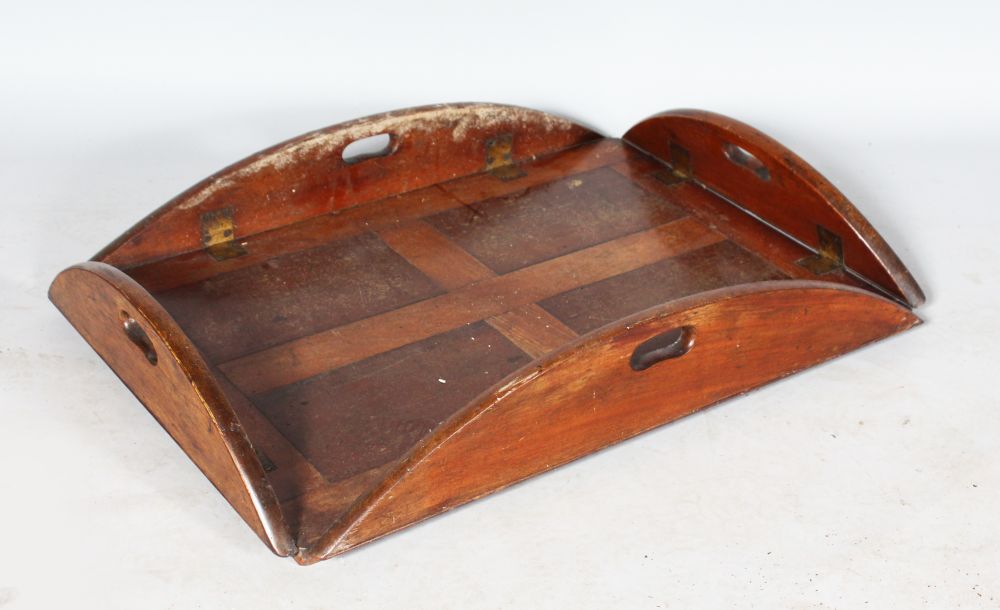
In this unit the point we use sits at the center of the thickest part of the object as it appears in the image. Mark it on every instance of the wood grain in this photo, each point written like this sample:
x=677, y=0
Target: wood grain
x=196, y=266
x=534, y=330
x=794, y=197
x=307, y=176
x=556, y=218
x=738, y=226
x=295, y=295
x=589, y=398
x=358, y=417
x=179, y=389
x=293, y=475
x=594, y=305
x=312, y=355
x=390, y=337
x=529, y=326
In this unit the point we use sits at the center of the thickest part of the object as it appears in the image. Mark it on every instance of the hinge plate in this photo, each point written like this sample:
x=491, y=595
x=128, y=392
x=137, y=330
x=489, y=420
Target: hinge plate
x=500, y=157
x=829, y=256
x=680, y=166
x=218, y=234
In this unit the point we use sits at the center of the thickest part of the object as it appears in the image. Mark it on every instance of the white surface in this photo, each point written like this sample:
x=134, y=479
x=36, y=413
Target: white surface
x=870, y=482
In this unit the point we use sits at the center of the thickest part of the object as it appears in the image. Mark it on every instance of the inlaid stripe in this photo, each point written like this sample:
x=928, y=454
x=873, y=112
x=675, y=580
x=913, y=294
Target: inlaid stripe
x=535, y=331
x=532, y=329
x=311, y=355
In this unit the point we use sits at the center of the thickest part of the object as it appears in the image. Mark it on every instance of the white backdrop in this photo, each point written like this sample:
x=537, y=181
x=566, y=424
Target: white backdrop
x=869, y=482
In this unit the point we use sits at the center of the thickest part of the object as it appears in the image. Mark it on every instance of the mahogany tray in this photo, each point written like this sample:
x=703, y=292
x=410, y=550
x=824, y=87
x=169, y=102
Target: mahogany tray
x=346, y=342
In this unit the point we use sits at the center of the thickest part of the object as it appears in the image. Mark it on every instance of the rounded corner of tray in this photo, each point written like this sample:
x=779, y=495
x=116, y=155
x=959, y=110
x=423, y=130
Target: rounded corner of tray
x=765, y=178
x=152, y=356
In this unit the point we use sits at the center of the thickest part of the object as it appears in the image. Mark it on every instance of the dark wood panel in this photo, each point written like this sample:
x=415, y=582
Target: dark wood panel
x=295, y=295
x=361, y=416
x=717, y=265
x=553, y=219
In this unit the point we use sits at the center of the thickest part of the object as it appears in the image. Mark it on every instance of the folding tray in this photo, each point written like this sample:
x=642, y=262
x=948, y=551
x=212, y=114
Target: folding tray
x=347, y=343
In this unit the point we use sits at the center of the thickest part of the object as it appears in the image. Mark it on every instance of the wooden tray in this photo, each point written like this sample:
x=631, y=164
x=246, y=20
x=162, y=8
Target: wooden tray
x=348, y=343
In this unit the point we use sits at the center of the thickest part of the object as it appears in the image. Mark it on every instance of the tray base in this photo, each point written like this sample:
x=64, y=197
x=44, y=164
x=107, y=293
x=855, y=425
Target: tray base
x=344, y=340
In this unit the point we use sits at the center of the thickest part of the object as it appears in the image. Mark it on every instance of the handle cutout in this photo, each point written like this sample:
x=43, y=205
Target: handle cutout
x=672, y=344
x=371, y=147
x=745, y=159
x=136, y=334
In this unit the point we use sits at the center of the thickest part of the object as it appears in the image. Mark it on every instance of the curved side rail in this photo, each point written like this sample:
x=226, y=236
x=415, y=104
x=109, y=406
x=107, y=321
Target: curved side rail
x=616, y=383
x=763, y=177
x=153, y=357
x=310, y=175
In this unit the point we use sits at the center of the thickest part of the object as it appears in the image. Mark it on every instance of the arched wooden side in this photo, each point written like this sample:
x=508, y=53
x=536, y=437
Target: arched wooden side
x=307, y=176
x=776, y=185
x=588, y=396
x=153, y=357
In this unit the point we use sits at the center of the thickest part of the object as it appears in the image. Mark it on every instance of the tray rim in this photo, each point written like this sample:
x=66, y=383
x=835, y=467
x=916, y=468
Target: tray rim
x=373, y=506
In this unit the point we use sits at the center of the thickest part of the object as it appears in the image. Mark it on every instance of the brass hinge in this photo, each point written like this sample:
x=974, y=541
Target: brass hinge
x=500, y=158
x=829, y=256
x=680, y=166
x=218, y=234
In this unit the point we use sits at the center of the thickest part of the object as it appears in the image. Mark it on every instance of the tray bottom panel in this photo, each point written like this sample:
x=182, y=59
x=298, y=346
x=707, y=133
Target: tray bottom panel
x=344, y=340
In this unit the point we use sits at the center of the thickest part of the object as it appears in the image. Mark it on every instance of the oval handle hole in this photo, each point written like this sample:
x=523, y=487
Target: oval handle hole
x=367, y=148
x=745, y=159
x=138, y=337
x=672, y=344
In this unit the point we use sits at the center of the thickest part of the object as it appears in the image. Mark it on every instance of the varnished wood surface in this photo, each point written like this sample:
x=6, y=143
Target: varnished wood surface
x=367, y=307
x=178, y=388
x=307, y=176
x=589, y=398
x=301, y=293
x=364, y=415
x=198, y=265
x=511, y=232
x=315, y=353
x=529, y=326
x=590, y=307
x=793, y=196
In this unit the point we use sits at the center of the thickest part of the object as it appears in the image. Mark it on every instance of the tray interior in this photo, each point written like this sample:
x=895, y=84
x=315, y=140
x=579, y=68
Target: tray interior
x=345, y=339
